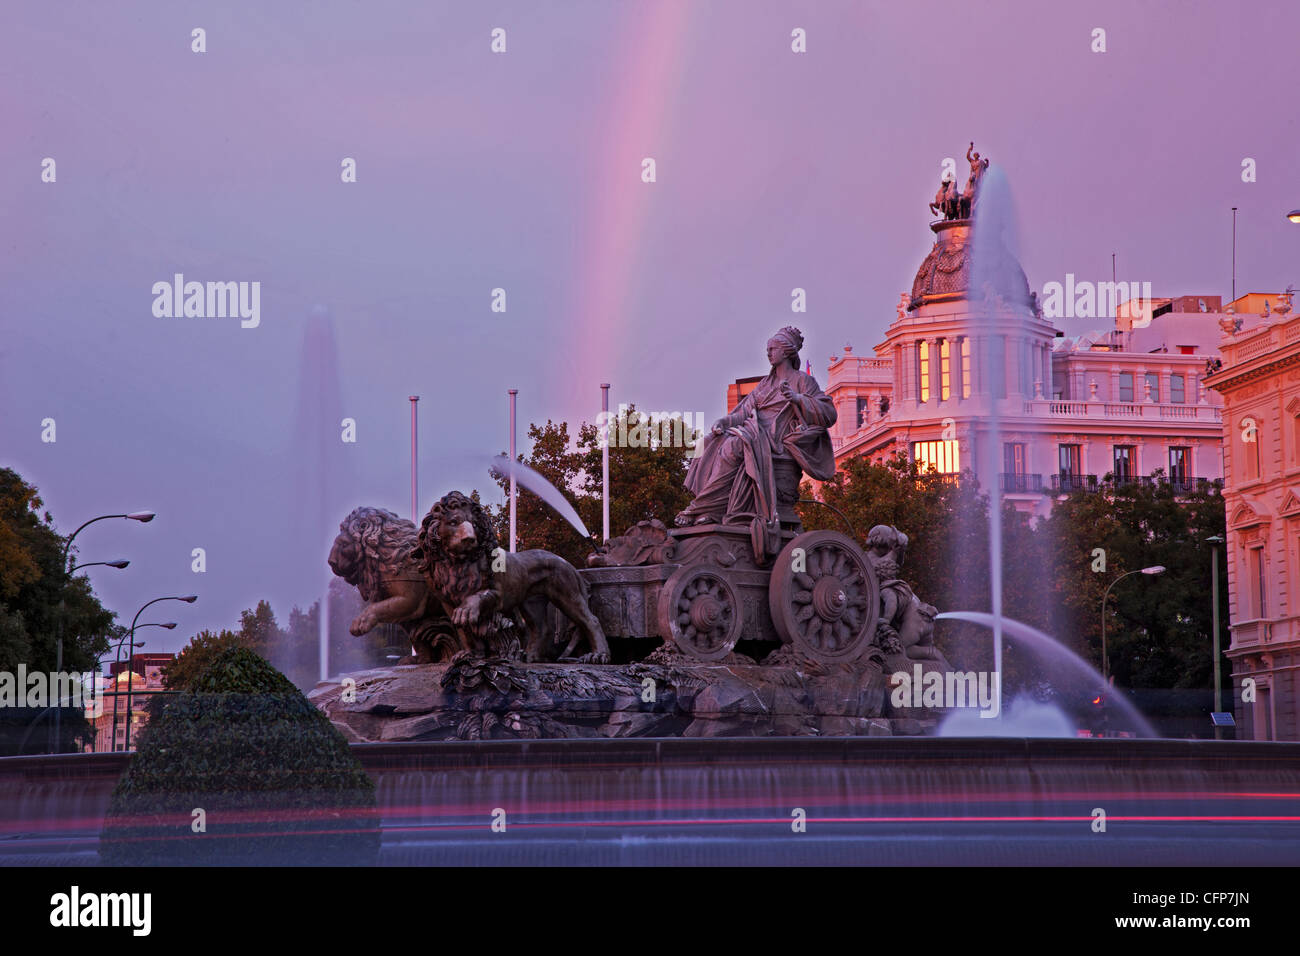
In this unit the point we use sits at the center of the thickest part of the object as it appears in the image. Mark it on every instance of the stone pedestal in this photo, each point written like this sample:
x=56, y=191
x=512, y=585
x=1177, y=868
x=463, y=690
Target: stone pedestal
x=664, y=696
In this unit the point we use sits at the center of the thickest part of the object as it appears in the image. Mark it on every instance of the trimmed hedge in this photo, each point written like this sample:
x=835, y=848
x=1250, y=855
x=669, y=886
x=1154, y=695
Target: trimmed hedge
x=276, y=781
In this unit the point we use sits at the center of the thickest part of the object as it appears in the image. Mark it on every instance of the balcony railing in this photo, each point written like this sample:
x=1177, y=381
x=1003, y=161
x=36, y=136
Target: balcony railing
x=1182, y=484
x=1129, y=479
x=1019, y=482
x=1126, y=411
x=1066, y=483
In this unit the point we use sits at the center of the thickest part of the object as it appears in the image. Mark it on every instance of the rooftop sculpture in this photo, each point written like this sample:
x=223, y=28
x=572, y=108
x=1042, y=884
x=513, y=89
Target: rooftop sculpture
x=952, y=204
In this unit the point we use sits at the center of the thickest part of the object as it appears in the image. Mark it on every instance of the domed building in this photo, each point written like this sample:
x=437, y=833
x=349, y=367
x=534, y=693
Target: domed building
x=971, y=339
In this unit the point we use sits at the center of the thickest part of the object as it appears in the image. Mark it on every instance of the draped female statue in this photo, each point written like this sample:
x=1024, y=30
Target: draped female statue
x=753, y=455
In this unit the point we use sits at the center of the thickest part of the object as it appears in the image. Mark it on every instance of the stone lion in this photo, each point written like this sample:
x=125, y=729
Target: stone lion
x=479, y=583
x=375, y=552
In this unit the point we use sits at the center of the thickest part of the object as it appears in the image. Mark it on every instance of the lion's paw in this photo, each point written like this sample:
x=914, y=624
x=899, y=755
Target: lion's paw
x=595, y=657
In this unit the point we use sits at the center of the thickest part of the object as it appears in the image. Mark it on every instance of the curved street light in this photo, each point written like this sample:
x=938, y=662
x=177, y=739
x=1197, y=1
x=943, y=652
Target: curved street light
x=1105, y=661
x=144, y=517
x=130, y=680
x=120, y=563
x=1294, y=215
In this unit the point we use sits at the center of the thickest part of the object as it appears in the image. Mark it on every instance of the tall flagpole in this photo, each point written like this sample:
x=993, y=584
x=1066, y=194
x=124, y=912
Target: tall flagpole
x=604, y=462
x=514, y=491
x=415, y=457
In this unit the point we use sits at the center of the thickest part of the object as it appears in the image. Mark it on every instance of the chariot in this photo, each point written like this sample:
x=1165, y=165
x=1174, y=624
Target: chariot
x=707, y=588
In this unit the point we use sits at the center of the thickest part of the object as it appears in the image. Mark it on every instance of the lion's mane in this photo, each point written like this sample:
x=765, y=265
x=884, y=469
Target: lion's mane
x=456, y=577
x=383, y=543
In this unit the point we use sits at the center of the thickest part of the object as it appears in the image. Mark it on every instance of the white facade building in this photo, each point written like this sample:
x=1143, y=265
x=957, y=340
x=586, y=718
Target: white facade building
x=1123, y=402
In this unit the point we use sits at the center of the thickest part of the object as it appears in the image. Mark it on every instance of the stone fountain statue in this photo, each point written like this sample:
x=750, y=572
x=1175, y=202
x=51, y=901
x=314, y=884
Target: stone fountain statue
x=747, y=471
x=823, y=621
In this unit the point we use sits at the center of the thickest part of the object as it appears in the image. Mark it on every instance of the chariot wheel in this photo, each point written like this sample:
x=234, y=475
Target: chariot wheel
x=700, y=612
x=824, y=597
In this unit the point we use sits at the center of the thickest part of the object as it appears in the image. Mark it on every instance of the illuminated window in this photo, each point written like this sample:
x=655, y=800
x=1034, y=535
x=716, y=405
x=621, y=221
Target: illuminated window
x=1177, y=390
x=965, y=368
x=923, y=375
x=945, y=379
x=942, y=456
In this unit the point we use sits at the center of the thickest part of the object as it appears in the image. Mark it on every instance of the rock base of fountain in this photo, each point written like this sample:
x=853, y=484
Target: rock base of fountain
x=665, y=695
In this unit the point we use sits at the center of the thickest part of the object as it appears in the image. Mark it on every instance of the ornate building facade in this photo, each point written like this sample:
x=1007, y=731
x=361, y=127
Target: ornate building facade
x=1260, y=384
x=111, y=725
x=1123, y=402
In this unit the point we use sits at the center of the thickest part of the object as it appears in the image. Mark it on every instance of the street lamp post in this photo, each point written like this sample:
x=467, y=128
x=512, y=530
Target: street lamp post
x=144, y=517
x=120, y=563
x=1105, y=661
x=117, y=656
x=130, y=679
x=117, y=659
x=1214, y=541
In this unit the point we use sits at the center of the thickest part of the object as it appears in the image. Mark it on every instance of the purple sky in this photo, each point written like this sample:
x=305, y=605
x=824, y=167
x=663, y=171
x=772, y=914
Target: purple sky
x=522, y=171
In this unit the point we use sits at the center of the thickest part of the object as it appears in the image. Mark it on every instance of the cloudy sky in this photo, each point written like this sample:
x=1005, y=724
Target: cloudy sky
x=522, y=171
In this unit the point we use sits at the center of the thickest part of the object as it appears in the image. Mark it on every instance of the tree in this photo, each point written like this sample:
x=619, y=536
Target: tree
x=203, y=648
x=294, y=650
x=537, y=524
x=647, y=474
x=1158, y=630
x=239, y=768
x=647, y=480
x=259, y=629
x=41, y=603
